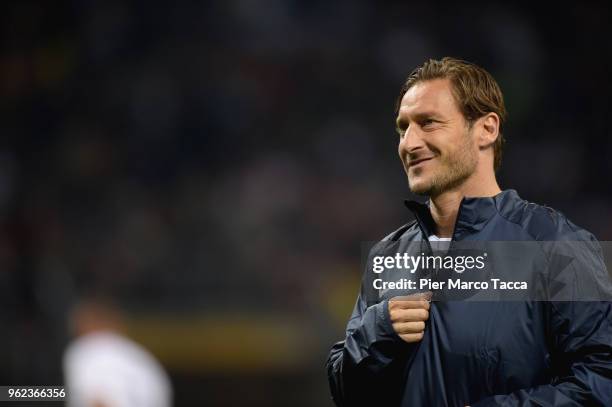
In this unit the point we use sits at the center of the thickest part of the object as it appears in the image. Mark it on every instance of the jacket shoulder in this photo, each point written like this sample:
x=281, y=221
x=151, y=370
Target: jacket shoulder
x=401, y=231
x=544, y=223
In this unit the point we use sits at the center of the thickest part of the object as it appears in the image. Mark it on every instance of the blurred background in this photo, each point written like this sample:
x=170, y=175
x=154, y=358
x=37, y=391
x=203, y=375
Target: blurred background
x=215, y=166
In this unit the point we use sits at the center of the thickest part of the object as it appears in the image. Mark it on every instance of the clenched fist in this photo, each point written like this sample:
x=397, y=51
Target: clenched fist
x=408, y=315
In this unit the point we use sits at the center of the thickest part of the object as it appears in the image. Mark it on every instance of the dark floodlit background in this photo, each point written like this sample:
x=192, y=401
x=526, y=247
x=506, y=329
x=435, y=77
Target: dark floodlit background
x=214, y=166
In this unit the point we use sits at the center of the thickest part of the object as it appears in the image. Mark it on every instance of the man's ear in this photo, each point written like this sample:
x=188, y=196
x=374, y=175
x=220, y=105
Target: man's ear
x=489, y=129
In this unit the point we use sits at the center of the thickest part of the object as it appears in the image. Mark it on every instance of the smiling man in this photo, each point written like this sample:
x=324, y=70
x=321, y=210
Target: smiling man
x=408, y=351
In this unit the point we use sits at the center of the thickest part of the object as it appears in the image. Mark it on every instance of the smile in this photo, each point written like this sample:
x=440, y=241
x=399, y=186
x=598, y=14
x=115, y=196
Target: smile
x=414, y=163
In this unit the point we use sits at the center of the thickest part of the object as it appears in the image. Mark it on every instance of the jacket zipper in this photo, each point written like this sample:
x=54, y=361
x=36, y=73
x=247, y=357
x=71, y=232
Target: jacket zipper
x=456, y=221
x=450, y=246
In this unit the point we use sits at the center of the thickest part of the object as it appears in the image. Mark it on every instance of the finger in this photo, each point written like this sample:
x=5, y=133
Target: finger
x=408, y=315
x=412, y=337
x=425, y=295
x=420, y=300
x=418, y=304
x=409, y=327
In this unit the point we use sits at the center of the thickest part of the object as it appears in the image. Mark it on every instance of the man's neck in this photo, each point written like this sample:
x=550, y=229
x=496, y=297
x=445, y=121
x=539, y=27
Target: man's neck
x=445, y=206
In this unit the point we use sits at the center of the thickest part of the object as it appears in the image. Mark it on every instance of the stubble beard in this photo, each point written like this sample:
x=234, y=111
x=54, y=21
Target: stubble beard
x=453, y=171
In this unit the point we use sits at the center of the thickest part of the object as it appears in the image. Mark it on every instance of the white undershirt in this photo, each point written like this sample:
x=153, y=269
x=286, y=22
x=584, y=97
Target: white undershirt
x=439, y=243
x=434, y=238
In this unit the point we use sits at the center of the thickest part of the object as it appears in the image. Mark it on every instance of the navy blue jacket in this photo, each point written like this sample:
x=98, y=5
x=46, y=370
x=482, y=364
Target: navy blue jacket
x=514, y=353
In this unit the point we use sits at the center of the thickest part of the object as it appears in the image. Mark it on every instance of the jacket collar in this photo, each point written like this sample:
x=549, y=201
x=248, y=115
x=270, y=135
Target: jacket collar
x=473, y=214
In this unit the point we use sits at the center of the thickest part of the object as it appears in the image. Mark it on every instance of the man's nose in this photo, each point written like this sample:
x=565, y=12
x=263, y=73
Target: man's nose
x=412, y=140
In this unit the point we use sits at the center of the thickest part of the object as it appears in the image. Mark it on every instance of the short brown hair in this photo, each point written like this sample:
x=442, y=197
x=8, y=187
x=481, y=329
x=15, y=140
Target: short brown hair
x=474, y=89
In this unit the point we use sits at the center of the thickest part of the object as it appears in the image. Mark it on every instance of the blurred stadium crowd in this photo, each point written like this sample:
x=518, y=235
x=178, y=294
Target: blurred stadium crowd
x=215, y=166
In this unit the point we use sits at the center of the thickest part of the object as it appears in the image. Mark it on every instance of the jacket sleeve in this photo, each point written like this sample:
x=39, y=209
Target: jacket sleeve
x=582, y=360
x=365, y=368
x=579, y=330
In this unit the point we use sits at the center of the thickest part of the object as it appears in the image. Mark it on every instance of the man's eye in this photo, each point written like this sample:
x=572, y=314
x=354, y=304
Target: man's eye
x=400, y=131
x=427, y=122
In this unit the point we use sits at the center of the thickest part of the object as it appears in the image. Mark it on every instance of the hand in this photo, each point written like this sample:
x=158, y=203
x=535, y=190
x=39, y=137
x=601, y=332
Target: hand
x=408, y=315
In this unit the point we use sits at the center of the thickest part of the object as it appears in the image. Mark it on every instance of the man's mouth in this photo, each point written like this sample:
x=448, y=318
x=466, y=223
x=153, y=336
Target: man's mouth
x=414, y=163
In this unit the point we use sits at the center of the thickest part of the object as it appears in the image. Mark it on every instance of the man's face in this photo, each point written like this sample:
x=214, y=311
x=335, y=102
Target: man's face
x=436, y=144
